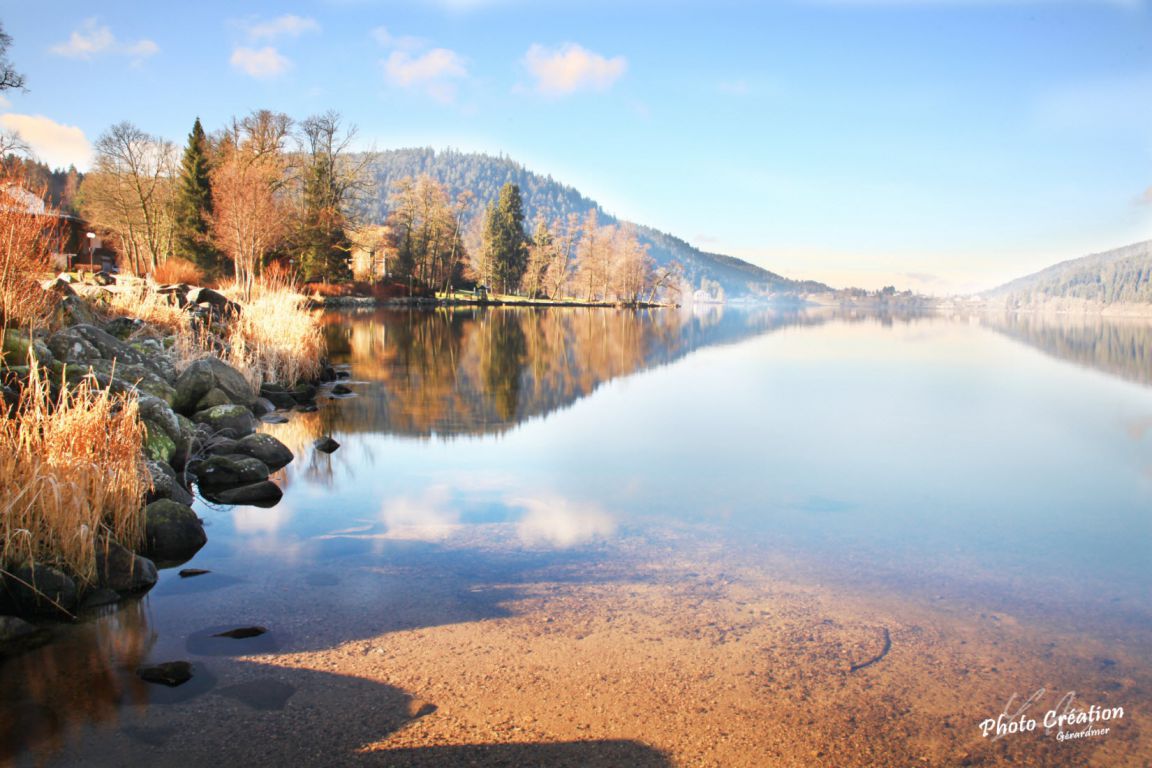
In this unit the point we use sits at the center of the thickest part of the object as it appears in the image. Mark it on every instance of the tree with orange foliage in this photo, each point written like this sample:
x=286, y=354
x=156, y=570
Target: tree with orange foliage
x=29, y=234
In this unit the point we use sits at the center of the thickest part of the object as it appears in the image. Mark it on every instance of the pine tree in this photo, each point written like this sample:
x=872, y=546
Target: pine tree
x=193, y=205
x=505, y=244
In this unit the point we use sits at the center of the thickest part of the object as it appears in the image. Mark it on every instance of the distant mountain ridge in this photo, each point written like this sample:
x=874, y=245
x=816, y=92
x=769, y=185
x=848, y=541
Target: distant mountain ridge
x=484, y=175
x=1119, y=278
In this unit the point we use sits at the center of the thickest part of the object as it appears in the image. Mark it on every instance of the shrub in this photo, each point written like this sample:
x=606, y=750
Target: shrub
x=29, y=233
x=178, y=270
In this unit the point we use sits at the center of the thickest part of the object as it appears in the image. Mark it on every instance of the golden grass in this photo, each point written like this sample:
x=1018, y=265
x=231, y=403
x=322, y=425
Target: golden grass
x=178, y=270
x=277, y=338
x=72, y=470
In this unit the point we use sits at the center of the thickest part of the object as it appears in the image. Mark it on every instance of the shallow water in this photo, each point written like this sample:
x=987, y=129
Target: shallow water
x=923, y=476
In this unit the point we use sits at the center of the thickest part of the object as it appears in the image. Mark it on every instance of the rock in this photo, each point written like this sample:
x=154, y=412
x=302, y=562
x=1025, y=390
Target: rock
x=123, y=377
x=100, y=597
x=308, y=408
x=340, y=390
x=304, y=393
x=326, y=444
x=172, y=532
x=242, y=633
x=216, y=445
x=83, y=344
x=262, y=406
x=277, y=395
x=73, y=310
x=122, y=327
x=61, y=285
x=15, y=628
x=17, y=346
x=39, y=589
x=274, y=418
x=327, y=374
x=213, y=398
x=165, y=484
x=189, y=442
x=121, y=570
x=273, y=453
x=234, y=421
x=229, y=471
x=170, y=673
x=187, y=573
x=265, y=494
x=211, y=373
x=157, y=445
x=103, y=278
x=214, y=299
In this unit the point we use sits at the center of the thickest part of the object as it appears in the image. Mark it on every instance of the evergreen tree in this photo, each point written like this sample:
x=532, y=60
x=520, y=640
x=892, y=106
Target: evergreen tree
x=505, y=244
x=193, y=205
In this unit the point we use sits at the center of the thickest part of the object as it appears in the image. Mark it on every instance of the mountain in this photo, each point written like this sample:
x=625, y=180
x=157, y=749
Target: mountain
x=484, y=175
x=1119, y=280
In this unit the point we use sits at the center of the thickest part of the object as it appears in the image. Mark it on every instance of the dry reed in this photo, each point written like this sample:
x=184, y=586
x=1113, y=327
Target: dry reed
x=29, y=233
x=72, y=471
x=277, y=338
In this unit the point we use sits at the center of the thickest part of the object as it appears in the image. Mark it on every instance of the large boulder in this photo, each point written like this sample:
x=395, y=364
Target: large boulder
x=123, y=377
x=123, y=327
x=206, y=374
x=267, y=449
x=39, y=589
x=121, y=570
x=83, y=344
x=225, y=471
x=263, y=494
x=172, y=532
x=234, y=421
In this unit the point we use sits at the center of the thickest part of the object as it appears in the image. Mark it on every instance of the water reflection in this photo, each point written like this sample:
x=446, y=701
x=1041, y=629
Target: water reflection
x=1117, y=346
x=83, y=678
x=478, y=371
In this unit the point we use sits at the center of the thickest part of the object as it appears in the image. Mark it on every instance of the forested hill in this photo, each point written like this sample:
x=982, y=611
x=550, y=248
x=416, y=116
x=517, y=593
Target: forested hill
x=1118, y=278
x=484, y=175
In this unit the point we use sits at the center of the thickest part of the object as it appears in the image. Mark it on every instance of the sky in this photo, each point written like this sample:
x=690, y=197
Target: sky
x=939, y=145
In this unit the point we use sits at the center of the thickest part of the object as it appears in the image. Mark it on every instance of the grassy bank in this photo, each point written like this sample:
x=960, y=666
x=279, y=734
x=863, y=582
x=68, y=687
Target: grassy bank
x=72, y=472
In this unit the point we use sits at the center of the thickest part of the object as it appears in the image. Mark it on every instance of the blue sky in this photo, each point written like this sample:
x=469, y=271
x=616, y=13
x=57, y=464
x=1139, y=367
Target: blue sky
x=943, y=145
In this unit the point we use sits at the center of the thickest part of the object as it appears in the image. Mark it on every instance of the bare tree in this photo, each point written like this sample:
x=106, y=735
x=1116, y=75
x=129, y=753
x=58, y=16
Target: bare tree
x=129, y=194
x=249, y=193
x=12, y=143
x=9, y=77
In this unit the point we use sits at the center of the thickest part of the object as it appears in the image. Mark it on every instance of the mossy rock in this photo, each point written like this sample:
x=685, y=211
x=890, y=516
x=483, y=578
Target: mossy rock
x=158, y=446
x=172, y=532
x=234, y=421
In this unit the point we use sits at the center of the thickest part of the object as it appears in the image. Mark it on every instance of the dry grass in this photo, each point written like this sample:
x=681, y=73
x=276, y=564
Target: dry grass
x=277, y=337
x=178, y=270
x=139, y=298
x=72, y=471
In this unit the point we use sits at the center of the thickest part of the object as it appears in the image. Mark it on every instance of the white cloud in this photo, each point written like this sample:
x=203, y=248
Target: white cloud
x=402, y=42
x=571, y=68
x=263, y=63
x=55, y=144
x=94, y=39
x=282, y=26
x=433, y=71
x=427, y=517
x=558, y=522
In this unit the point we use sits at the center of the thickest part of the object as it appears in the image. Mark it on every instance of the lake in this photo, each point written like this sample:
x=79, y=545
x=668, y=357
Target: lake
x=665, y=537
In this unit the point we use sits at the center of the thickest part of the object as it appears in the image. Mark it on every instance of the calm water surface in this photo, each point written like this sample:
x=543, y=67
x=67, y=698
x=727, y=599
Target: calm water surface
x=1005, y=462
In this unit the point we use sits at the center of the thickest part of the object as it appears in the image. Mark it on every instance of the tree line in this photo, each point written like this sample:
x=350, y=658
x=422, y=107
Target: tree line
x=571, y=258
x=269, y=190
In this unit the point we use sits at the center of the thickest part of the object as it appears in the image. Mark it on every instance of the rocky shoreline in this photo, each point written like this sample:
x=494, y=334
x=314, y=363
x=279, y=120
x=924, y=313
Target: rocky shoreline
x=200, y=437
